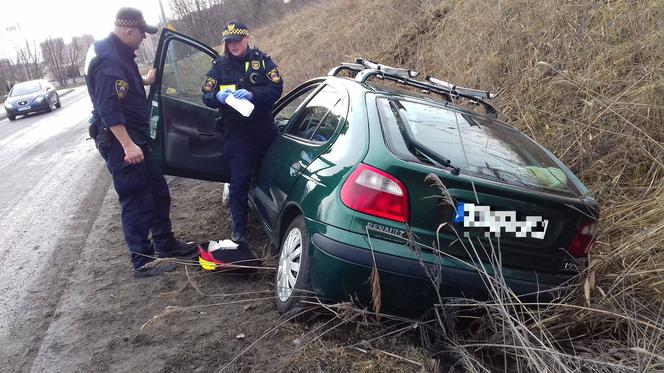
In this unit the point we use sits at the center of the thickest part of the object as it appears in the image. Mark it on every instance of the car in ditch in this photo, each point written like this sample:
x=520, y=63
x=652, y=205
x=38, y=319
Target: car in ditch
x=30, y=97
x=376, y=168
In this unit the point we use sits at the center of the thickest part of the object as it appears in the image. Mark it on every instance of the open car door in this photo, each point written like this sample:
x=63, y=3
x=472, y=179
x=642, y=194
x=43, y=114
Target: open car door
x=183, y=132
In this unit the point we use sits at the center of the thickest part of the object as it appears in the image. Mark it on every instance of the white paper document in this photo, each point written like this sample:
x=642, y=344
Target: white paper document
x=222, y=245
x=243, y=106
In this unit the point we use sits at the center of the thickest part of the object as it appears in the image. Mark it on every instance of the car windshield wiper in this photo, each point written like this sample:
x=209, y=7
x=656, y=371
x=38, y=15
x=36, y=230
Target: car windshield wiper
x=412, y=143
x=435, y=158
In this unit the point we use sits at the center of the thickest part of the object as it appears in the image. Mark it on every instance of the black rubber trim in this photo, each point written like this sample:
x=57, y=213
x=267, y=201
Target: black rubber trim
x=413, y=268
x=363, y=257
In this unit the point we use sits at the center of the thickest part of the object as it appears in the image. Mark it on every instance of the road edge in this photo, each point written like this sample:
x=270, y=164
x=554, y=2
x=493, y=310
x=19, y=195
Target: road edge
x=63, y=263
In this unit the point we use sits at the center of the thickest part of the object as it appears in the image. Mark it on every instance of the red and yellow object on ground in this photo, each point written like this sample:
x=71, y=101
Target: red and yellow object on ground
x=206, y=260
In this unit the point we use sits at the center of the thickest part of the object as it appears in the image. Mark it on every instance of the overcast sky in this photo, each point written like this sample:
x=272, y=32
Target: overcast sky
x=39, y=19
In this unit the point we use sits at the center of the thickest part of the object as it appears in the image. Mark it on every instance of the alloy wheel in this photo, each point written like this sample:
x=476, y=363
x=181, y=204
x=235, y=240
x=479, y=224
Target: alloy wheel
x=289, y=264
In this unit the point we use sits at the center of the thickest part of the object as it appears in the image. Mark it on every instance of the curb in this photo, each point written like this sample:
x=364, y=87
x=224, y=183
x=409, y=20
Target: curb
x=61, y=93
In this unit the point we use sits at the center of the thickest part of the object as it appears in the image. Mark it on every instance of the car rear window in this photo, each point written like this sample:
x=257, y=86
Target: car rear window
x=25, y=88
x=477, y=146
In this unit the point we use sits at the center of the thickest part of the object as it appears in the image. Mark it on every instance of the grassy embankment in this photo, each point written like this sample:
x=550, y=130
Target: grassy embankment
x=585, y=79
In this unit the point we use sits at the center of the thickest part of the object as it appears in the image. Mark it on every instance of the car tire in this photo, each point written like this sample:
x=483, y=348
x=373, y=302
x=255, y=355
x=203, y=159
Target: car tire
x=11, y=117
x=58, y=104
x=49, y=108
x=226, y=194
x=292, y=282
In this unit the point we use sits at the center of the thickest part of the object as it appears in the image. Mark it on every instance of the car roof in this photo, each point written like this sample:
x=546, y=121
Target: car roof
x=395, y=91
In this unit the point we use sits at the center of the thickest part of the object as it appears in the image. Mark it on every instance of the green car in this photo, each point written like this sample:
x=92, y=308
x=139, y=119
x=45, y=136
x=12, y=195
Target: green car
x=397, y=176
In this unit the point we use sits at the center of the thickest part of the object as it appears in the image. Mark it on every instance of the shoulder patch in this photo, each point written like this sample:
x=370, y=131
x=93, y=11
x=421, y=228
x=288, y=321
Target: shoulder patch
x=210, y=84
x=274, y=76
x=121, y=88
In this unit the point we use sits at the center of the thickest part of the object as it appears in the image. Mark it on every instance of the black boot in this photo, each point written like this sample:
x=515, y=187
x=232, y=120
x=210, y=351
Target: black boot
x=179, y=249
x=150, y=271
x=239, y=238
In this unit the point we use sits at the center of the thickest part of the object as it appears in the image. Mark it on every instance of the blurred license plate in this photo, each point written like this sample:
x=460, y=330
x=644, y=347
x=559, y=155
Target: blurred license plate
x=496, y=223
x=24, y=108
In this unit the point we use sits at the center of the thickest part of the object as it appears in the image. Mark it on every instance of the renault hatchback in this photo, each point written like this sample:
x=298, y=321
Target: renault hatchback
x=396, y=176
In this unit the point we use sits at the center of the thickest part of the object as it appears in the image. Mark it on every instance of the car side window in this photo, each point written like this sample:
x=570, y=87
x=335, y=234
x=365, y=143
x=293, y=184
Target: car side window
x=184, y=71
x=314, y=115
x=285, y=113
x=329, y=124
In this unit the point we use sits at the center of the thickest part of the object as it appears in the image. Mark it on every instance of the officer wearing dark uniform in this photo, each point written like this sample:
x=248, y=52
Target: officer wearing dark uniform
x=247, y=73
x=119, y=127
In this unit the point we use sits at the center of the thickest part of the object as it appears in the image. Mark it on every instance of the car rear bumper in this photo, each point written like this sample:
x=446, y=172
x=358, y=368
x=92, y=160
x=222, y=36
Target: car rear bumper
x=340, y=270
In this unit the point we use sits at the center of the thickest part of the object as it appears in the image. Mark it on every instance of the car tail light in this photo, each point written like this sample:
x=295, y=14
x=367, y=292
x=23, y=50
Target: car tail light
x=583, y=239
x=375, y=192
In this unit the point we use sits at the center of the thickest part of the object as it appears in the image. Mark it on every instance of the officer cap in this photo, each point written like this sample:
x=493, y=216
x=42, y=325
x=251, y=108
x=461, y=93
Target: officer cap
x=132, y=17
x=234, y=31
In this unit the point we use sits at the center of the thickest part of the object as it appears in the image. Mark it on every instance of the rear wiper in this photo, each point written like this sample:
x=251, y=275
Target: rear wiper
x=429, y=154
x=433, y=157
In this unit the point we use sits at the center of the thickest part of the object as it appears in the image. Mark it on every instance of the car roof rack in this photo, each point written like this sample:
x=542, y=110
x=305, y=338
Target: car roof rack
x=365, y=69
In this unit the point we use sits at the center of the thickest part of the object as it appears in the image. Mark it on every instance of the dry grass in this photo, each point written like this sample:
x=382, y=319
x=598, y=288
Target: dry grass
x=583, y=78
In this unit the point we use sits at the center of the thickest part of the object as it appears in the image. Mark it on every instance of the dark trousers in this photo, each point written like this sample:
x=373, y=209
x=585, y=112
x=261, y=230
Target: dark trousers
x=245, y=149
x=144, y=199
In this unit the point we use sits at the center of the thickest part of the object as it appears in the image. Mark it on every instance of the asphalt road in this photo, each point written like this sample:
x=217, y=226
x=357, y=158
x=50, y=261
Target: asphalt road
x=52, y=182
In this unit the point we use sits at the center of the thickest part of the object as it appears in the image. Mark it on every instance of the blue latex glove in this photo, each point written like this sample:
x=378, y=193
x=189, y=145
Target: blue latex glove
x=221, y=95
x=243, y=93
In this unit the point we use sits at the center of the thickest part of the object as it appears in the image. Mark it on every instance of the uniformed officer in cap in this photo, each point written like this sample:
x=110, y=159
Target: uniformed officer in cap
x=247, y=73
x=119, y=126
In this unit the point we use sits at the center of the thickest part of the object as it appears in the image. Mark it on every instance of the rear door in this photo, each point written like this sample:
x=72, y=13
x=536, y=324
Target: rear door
x=515, y=197
x=309, y=118
x=183, y=132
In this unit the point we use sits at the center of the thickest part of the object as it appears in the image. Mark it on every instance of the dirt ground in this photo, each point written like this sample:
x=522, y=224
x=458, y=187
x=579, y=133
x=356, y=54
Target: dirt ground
x=189, y=320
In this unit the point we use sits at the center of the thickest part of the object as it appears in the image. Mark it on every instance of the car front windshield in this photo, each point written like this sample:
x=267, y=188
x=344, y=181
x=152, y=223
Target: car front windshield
x=25, y=89
x=478, y=147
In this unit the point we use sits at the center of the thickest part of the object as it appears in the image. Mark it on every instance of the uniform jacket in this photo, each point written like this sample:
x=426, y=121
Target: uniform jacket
x=116, y=87
x=257, y=73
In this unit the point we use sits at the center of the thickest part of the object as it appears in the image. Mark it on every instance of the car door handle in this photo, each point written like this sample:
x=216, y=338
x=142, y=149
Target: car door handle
x=297, y=168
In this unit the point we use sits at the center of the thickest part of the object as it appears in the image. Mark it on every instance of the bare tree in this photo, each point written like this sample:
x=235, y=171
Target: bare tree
x=9, y=73
x=196, y=19
x=54, y=52
x=203, y=19
x=75, y=56
x=29, y=60
x=146, y=52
